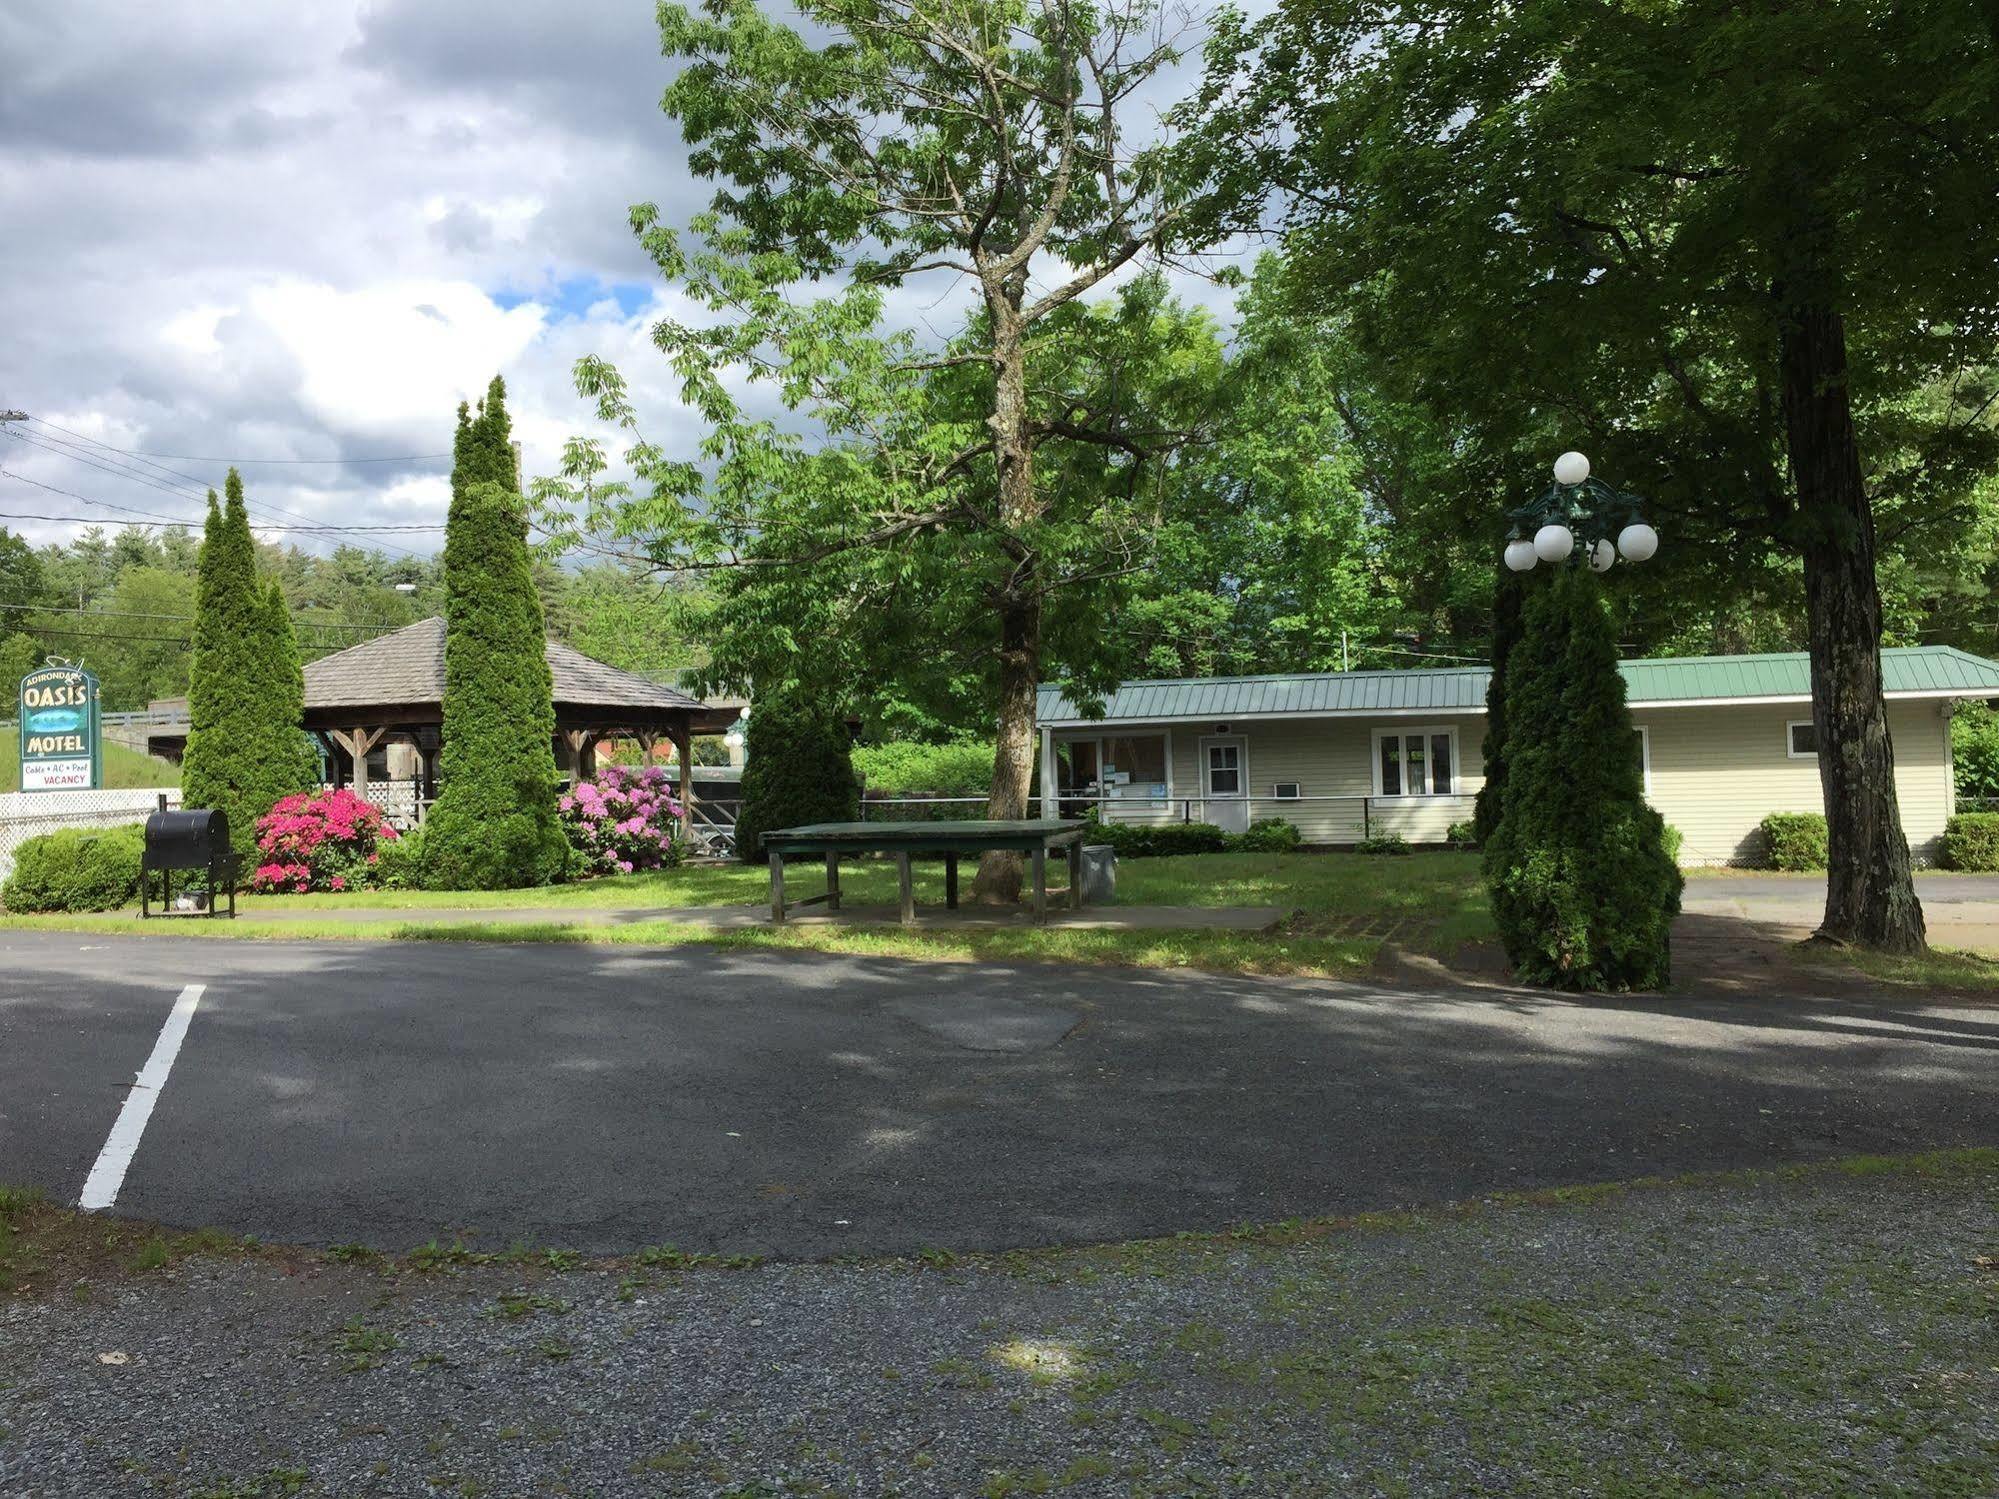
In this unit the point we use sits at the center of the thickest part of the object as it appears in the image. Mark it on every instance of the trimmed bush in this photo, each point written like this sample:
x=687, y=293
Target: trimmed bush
x=1971, y=842
x=1582, y=890
x=1384, y=843
x=399, y=865
x=1671, y=841
x=76, y=869
x=625, y=820
x=1267, y=835
x=907, y=769
x=1509, y=602
x=495, y=825
x=246, y=690
x=798, y=769
x=1133, y=840
x=1462, y=835
x=327, y=842
x=1794, y=840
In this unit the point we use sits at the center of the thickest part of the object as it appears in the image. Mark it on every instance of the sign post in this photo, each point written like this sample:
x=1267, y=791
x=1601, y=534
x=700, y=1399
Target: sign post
x=62, y=732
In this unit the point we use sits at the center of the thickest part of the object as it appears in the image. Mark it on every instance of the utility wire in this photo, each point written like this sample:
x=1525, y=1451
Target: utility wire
x=118, y=466
x=101, y=520
x=239, y=462
x=94, y=613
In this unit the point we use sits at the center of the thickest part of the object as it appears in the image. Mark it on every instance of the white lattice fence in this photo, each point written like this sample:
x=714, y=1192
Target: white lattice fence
x=29, y=814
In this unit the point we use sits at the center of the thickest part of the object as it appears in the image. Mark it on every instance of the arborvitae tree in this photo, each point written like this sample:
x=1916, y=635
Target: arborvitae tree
x=798, y=768
x=1582, y=888
x=1508, y=601
x=495, y=824
x=246, y=692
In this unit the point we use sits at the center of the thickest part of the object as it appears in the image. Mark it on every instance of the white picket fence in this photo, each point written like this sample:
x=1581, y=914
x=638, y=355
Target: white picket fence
x=29, y=814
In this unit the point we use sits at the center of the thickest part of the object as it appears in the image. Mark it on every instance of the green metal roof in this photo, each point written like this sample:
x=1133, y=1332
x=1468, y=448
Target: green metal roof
x=1908, y=671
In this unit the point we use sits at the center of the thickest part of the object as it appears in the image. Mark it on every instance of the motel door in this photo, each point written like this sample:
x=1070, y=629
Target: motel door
x=1225, y=781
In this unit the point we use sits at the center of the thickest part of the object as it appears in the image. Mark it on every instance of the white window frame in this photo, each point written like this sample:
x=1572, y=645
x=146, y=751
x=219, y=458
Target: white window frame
x=1645, y=755
x=1457, y=761
x=1241, y=742
x=1789, y=751
x=1279, y=794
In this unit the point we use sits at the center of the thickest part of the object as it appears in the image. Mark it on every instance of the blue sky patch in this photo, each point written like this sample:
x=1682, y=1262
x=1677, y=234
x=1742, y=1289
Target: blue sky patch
x=569, y=300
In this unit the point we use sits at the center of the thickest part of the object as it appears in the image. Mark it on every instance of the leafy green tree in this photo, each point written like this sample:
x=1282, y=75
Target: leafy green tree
x=798, y=768
x=245, y=745
x=1722, y=247
x=495, y=823
x=144, y=653
x=1974, y=749
x=1583, y=891
x=882, y=144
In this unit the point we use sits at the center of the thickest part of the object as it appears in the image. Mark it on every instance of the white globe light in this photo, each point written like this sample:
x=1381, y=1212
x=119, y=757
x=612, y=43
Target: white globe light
x=1520, y=556
x=1571, y=468
x=1552, y=543
x=1601, y=556
x=1638, y=541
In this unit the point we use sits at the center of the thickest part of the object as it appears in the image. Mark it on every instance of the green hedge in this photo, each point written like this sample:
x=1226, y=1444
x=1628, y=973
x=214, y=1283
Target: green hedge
x=799, y=768
x=76, y=869
x=903, y=768
x=1794, y=841
x=1384, y=843
x=1971, y=842
x=1140, y=841
x=1267, y=835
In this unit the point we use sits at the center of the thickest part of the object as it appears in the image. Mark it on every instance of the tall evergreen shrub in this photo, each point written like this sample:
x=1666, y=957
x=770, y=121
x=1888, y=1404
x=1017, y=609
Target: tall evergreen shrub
x=495, y=825
x=1509, y=599
x=1582, y=888
x=246, y=690
x=798, y=768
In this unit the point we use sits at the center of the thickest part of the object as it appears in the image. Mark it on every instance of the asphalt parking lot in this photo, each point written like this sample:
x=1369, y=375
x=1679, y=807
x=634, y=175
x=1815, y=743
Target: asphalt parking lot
x=805, y=1106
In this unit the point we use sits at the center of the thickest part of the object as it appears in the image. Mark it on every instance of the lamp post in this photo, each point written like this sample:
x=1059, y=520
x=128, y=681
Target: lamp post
x=1578, y=518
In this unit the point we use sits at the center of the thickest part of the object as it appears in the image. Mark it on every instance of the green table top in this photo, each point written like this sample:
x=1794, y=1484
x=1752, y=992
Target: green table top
x=1021, y=833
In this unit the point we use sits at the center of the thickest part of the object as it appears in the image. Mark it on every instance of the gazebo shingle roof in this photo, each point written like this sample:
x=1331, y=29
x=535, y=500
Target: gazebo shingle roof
x=407, y=666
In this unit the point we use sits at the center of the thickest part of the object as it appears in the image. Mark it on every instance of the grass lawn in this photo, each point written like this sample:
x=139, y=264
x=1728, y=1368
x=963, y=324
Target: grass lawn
x=124, y=769
x=1346, y=905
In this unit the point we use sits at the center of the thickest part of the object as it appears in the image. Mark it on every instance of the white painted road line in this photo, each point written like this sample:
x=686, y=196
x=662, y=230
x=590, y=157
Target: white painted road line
x=108, y=1175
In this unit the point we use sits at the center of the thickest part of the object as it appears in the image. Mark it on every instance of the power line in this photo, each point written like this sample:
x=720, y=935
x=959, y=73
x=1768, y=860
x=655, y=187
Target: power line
x=198, y=458
x=119, y=467
x=100, y=520
x=94, y=613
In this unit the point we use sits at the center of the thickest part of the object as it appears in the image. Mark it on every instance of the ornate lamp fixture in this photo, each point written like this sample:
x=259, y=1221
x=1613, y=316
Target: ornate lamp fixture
x=1576, y=508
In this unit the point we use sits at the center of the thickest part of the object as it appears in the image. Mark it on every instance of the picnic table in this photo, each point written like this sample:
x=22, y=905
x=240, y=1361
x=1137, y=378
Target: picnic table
x=1036, y=837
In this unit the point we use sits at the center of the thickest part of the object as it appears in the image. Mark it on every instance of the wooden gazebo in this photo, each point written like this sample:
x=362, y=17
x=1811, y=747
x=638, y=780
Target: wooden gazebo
x=392, y=688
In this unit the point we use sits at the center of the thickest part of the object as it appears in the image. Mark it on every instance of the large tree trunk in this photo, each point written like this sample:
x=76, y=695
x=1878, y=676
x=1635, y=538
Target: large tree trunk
x=998, y=882
x=1870, y=896
x=1019, y=604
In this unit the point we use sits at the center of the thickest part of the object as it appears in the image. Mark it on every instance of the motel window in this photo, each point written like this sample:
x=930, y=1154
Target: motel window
x=1286, y=791
x=1803, y=740
x=1141, y=758
x=1415, y=762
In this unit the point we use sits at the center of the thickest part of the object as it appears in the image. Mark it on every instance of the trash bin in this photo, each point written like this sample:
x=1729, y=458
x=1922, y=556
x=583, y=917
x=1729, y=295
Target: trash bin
x=1099, y=874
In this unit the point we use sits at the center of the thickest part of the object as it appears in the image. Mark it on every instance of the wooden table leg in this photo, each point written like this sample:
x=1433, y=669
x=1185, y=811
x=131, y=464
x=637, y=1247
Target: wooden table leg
x=1040, y=886
x=777, y=889
x=950, y=882
x=832, y=882
x=908, y=890
x=1076, y=875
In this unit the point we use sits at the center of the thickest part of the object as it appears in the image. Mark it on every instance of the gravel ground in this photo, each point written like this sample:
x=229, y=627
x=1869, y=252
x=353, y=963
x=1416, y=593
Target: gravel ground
x=1829, y=1330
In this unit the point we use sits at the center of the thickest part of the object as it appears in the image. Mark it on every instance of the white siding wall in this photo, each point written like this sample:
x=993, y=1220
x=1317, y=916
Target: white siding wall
x=1716, y=772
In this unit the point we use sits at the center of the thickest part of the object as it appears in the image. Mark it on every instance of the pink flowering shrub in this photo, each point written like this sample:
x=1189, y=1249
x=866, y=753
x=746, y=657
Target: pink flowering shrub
x=625, y=820
x=325, y=842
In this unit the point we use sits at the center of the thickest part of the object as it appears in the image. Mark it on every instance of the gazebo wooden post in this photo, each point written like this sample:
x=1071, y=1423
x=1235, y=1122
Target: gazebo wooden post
x=357, y=742
x=683, y=750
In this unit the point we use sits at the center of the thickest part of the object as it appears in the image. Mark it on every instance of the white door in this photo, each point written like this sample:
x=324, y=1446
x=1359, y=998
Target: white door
x=1225, y=781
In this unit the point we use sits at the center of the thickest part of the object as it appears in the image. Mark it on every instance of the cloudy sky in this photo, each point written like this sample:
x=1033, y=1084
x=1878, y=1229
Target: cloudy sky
x=290, y=230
